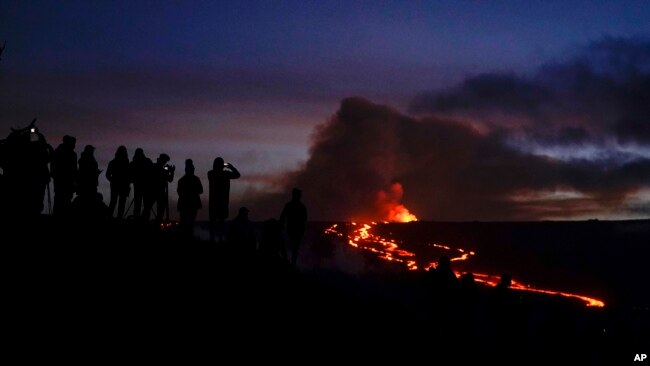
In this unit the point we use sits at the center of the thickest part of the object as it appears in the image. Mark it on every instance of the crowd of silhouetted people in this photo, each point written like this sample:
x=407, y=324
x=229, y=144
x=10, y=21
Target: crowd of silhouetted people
x=30, y=166
x=455, y=307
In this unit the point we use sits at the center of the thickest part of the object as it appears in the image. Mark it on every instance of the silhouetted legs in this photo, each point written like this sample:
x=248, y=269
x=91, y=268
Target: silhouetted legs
x=118, y=197
x=62, y=202
x=218, y=230
x=187, y=219
x=161, y=205
x=34, y=200
x=138, y=198
x=121, y=202
x=148, y=206
x=294, y=247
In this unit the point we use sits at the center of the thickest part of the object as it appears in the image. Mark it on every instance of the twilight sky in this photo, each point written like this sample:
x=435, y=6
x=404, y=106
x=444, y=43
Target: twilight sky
x=479, y=110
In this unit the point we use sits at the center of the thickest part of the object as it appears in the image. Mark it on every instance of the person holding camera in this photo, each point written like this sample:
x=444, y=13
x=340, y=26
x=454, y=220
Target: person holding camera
x=219, y=195
x=163, y=175
x=63, y=169
x=189, y=199
x=294, y=220
x=118, y=175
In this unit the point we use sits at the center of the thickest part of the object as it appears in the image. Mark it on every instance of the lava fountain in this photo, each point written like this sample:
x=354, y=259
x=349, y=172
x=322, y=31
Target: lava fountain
x=390, y=207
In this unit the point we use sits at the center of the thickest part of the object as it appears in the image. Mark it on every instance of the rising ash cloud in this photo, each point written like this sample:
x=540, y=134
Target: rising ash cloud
x=570, y=141
x=600, y=95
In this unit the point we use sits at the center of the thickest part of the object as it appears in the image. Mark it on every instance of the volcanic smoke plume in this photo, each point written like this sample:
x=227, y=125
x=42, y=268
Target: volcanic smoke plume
x=568, y=142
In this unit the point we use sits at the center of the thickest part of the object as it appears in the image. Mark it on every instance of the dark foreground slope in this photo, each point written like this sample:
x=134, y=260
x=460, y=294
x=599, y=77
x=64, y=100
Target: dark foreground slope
x=112, y=288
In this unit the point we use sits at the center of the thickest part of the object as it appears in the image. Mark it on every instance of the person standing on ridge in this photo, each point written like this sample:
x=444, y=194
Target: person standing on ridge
x=219, y=195
x=63, y=169
x=118, y=174
x=294, y=219
x=163, y=175
x=189, y=199
x=88, y=173
x=139, y=167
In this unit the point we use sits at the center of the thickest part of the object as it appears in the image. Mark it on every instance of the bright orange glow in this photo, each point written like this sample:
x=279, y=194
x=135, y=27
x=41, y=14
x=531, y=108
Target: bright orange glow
x=361, y=237
x=400, y=213
x=390, y=207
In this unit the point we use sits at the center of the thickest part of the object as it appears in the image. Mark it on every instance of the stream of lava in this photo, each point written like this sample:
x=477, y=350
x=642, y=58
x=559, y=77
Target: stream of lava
x=360, y=236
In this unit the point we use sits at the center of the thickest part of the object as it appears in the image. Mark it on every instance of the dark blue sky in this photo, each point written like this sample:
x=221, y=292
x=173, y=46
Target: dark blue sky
x=249, y=80
x=334, y=39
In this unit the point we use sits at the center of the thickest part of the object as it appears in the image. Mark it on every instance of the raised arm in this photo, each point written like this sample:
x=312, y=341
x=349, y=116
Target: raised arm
x=234, y=173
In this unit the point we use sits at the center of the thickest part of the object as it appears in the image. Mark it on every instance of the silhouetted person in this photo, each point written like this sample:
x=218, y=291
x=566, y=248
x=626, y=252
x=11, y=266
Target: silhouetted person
x=219, y=195
x=158, y=176
x=294, y=219
x=444, y=285
x=118, y=175
x=502, y=297
x=88, y=173
x=164, y=174
x=189, y=198
x=139, y=171
x=504, y=311
x=241, y=233
x=503, y=287
x=39, y=155
x=445, y=279
x=24, y=159
x=468, y=291
x=89, y=209
x=468, y=304
x=271, y=243
x=64, y=173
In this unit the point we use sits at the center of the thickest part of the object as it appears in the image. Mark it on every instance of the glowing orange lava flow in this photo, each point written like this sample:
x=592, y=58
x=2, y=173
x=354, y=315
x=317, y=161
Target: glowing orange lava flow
x=360, y=237
x=493, y=280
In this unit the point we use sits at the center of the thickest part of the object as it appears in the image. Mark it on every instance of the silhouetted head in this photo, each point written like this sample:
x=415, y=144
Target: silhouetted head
x=467, y=279
x=121, y=153
x=506, y=280
x=139, y=154
x=218, y=164
x=421, y=263
x=69, y=141
x=163, y=159
x=296, y=194
x=444, y=262
x=189, y=167
x=89, y=150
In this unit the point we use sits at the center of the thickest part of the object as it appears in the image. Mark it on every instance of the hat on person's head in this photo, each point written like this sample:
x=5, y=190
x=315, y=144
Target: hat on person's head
x=89, y=148
x=67, y=139
x=164, y=158
x=243, y=210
